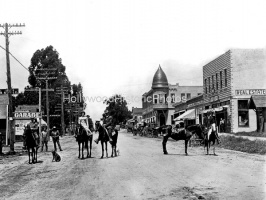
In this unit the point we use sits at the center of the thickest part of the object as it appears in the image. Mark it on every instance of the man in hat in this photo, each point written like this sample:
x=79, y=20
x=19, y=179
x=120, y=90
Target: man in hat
x=55, y=136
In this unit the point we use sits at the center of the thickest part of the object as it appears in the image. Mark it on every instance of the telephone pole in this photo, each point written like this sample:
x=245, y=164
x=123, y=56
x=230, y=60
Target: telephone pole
x=7, y=34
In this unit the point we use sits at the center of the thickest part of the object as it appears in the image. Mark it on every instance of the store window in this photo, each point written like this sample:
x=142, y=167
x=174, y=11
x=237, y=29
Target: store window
x=188, y=96
x=243, y=119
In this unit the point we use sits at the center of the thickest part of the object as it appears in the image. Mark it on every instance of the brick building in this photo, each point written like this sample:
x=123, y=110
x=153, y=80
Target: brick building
x=230, y=82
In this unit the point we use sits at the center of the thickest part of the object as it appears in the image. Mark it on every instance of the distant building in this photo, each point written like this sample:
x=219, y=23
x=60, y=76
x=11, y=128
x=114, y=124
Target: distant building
x=158, y=102
x=137, y=114
x=235, y=87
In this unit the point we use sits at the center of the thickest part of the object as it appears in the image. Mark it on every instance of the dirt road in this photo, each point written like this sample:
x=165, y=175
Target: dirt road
x=141, y=171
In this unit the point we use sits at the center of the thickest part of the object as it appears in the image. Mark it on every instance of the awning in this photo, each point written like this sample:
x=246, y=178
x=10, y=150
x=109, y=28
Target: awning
x=189, y=114
x=257, y=102
x=179, y=111
x=131, y=120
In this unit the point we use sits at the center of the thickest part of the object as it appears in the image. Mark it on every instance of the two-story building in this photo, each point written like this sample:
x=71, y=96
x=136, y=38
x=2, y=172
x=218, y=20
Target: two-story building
x=158, y=102
x=230, y=82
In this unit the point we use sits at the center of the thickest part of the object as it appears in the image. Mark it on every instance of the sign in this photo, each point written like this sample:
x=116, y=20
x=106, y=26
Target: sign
x=250, y=92
x=26, y=115
x=3, y=99
x=14, y=91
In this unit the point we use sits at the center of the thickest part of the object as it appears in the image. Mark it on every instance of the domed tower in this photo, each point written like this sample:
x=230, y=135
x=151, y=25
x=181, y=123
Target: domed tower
x=160, y=81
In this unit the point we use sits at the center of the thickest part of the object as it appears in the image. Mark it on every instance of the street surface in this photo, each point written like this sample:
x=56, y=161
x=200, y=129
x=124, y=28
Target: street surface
x=141, y=171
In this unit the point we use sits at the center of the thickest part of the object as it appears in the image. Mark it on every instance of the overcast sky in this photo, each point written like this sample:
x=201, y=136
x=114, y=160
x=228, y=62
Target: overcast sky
x=116, y=46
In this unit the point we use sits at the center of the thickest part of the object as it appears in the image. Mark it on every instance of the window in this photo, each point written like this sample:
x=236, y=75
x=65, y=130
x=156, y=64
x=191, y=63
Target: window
x=213, y=82
x=188, y=96
x=172, y=98
x=243, y=114
x=209, y=81
x=155, y=98
x=206, y=90
x=221, y=79
x=217, y=84
x=183, y=97
x=225, y=77
x=161, y=98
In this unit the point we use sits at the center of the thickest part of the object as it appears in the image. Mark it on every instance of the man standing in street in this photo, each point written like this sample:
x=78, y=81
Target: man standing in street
x=55, y=136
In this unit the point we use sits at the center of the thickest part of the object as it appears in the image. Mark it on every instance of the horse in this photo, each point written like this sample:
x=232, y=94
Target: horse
x=83, y=140
x=210, y=137
x=114, y=140
x=31, y=144
x=184, y=134
x=103, y=137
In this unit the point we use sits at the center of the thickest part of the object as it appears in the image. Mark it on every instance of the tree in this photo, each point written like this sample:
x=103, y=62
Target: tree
x=117, y=108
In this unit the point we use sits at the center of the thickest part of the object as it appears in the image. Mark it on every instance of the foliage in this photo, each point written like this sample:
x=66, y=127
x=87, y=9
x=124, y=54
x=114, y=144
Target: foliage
x=117, y=108
x=242, y=144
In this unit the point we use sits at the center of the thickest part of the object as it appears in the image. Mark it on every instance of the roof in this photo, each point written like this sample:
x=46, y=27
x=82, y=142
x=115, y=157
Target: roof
x=189, y=114
x=137, y=111
x=159, y=79
x=257, y=102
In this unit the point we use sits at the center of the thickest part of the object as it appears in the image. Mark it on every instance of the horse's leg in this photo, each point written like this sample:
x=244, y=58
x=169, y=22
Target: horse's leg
x=29, y=155
x=165, y=138
x=36, y=154
x=214, y=150
x=32, y=154
x=106, y=149
x=115, y=150
x=102, y=148
x=79, y=149
x=186, y=143
x=90, y=146
x=82, y=149
x=208, y=147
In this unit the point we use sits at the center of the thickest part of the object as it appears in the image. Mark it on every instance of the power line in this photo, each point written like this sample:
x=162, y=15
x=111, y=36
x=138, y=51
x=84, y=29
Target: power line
x=15, y=58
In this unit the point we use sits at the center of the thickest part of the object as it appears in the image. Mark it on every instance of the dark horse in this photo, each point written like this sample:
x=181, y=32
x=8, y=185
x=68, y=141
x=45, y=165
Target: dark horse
x=83, y=140
x=103, y=137
x=31, y=144
x=184, y=134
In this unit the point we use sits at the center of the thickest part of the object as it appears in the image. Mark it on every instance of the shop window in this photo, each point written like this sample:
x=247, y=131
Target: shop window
x=188, y=96
x=206, y=90
x=243, y=113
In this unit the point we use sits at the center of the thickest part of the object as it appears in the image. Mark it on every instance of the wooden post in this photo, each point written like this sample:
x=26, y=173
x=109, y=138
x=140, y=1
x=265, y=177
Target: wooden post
x=62, y=111
x=40, y=112
x=47, y=107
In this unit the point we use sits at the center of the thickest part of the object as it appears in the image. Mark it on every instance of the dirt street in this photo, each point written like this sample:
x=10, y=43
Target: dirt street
x=141, y=171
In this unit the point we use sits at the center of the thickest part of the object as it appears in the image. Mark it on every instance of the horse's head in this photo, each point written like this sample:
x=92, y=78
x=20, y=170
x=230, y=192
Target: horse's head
x=167, y=128
x=97, y=126
x=197, y=129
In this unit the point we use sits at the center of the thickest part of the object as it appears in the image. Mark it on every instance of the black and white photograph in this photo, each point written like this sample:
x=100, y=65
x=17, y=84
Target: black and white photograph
x=133, y=99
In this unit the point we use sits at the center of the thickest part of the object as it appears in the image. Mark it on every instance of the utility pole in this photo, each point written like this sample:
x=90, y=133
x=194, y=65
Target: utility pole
x=62, y=111
x=6, y=33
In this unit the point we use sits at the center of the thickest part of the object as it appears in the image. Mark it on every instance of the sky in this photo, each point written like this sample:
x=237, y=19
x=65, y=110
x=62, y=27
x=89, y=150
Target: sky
x=115, y=46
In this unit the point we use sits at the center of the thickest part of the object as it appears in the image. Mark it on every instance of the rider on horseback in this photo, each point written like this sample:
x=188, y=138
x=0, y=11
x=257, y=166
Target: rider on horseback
x=209, y=123
x=83, y=121
x=33, y=125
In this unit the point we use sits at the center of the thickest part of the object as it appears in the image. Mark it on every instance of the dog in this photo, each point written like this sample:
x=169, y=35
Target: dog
x=56, y=157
